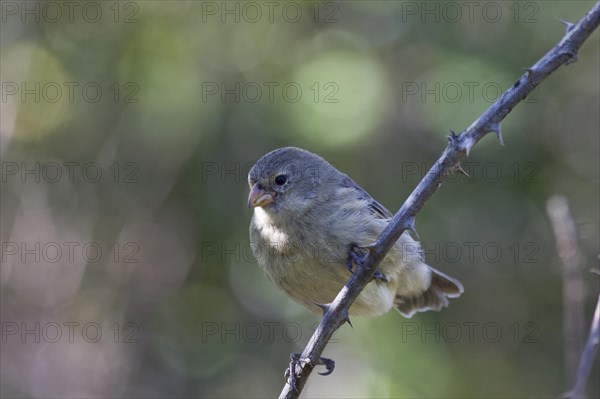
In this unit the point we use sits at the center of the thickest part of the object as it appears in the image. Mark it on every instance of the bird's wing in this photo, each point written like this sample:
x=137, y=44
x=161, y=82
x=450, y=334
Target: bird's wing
x=375, y=207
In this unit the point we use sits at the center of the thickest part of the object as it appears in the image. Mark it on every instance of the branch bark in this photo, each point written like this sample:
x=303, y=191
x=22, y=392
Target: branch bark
x=565, y=233
x=565, y=52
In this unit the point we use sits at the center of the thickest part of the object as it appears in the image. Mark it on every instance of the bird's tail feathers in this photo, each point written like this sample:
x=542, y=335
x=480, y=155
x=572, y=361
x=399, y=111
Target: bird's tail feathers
x=434, y=298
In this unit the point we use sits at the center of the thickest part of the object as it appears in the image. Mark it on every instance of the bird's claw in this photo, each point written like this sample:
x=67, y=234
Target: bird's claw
x=358, y=255
x=380, y=276
x=329, y=365
x=295, y=360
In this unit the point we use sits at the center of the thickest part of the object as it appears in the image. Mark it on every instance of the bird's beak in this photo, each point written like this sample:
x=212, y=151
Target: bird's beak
x=259, y=197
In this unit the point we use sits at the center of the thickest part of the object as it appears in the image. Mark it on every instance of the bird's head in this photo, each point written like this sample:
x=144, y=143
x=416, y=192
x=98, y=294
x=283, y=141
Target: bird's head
x=285, y=181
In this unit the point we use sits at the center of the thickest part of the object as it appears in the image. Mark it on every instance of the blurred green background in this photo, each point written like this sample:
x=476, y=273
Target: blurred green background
x=127, y=131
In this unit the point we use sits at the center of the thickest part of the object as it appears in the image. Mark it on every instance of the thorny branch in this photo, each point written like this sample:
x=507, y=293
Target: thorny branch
x=336, y=314
x=587, y=358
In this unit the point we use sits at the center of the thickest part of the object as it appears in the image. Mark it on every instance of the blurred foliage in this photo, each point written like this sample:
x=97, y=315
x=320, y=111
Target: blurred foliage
x=172, y=102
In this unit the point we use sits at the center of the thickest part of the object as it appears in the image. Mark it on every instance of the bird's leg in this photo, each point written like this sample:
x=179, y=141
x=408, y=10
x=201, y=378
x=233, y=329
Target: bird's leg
x=295, y=360
x=358, y=255
x=355, y=255
x=290, y=372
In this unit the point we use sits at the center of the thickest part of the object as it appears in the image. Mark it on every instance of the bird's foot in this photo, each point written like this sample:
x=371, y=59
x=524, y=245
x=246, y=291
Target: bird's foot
x=358, y=255
x=295, y=360
x=381, y=276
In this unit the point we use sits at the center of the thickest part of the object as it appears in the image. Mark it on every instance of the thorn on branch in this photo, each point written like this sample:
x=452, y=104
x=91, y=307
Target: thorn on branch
x=496, y=129
x=324, y=306
x=344, y=315
x=462, y=171
x=347, y=320
x=468, y=144
x=528, y=72
x=453, y=138
x=410, y=225
x=457, y=169
x=571, y=55
x=568, y=25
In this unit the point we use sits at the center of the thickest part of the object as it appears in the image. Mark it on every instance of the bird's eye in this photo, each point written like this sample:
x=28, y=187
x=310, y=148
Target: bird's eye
x=281, y=180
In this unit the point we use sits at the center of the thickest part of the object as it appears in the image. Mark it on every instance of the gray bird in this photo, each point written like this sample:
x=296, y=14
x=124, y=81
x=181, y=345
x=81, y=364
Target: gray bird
x=308, y=217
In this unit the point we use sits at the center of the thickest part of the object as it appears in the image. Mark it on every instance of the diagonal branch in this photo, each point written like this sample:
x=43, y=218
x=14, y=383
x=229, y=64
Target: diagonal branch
x=565, y=52
x=587, y=358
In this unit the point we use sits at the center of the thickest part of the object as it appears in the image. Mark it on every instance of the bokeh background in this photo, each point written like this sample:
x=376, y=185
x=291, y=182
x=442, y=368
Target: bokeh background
x=127, y=131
